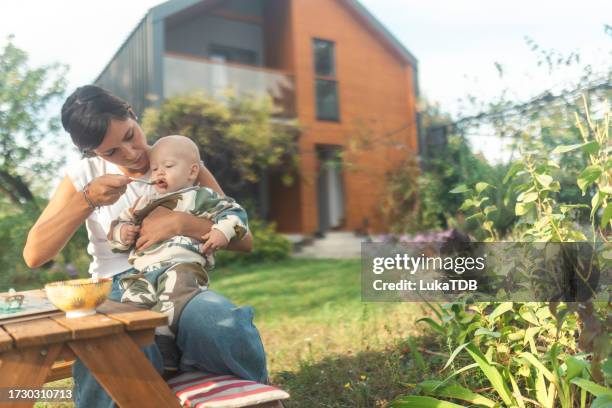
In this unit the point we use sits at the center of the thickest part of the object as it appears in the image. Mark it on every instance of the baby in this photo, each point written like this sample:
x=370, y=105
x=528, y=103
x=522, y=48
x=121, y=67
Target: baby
x=171, y=272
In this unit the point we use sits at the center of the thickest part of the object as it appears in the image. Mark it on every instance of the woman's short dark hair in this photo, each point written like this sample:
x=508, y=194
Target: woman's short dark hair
x=87, y=113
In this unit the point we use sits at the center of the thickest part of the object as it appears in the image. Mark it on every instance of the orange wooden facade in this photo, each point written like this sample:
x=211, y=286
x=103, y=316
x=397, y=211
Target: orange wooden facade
x=376, y=91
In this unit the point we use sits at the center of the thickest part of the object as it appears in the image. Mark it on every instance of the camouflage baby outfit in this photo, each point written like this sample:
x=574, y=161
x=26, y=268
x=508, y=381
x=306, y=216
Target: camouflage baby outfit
x=170, y=273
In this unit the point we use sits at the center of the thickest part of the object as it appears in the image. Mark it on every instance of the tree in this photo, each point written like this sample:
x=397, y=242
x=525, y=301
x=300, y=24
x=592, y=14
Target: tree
x=26, y=131
x=239, y=138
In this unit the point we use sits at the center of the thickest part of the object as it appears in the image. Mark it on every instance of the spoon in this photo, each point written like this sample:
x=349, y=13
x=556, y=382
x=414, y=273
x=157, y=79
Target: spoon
x=150, y=182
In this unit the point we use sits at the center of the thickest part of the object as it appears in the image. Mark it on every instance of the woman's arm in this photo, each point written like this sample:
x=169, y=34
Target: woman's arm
x=58, y=222
x=65, y=213
x=162, y=224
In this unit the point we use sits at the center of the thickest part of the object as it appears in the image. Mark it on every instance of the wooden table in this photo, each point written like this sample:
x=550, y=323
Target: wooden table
x=42, y=350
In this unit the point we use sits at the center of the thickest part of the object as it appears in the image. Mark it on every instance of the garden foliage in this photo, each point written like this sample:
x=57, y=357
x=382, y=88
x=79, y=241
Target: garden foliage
x=533, y=354
x=28, y=131
x=268, y=245
x=26, y=127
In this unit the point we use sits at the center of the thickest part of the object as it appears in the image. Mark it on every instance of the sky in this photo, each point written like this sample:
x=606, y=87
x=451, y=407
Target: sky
x=456, y=42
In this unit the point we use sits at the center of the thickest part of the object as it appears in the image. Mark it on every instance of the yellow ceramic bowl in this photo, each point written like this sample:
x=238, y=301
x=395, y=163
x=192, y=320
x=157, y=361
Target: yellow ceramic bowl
x=79, y=297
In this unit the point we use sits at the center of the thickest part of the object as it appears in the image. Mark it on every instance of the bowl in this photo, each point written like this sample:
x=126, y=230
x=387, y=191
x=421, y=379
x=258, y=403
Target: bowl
x=79, y=297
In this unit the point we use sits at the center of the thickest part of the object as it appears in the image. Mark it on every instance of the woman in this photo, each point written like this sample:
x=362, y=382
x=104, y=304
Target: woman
x=214, y=335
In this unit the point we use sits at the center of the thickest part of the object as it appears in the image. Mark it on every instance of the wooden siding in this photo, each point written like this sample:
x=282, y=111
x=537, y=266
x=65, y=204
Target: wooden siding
x=376, y=96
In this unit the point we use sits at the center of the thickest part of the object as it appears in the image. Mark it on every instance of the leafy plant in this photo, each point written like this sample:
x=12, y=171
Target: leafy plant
x=14, y=227
x=530, y=357
x=268, y=245
x=538, y=354
x=479, y=205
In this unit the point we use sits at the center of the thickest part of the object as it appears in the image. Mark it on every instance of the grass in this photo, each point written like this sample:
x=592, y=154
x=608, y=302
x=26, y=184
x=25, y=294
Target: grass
x=324, y=346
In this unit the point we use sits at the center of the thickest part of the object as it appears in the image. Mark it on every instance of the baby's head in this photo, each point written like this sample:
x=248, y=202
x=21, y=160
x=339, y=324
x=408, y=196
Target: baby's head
x=175, y=163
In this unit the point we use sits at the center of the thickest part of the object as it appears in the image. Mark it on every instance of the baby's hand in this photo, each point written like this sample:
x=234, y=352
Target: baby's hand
x=128, y=233
x=214, y=240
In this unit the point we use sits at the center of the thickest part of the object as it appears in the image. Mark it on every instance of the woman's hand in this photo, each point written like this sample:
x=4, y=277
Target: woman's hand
x=161, y=224
x=106, y=190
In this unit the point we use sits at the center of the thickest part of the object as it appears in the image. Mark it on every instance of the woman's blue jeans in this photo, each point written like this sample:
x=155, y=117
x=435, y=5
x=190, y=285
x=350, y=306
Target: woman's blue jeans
x=214, y=336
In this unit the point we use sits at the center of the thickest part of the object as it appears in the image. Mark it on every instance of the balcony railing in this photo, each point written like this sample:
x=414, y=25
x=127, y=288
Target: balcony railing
x=186, y=74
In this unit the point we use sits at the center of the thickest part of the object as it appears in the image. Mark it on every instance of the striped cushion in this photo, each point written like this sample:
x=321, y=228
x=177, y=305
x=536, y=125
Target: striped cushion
x=201, y=390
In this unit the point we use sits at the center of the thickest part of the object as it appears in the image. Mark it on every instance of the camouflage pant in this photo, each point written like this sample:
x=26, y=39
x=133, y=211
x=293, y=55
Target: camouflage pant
x=166, y=288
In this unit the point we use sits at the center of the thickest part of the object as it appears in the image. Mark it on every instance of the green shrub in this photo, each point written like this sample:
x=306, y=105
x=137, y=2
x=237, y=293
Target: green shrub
x=268, y=245
x=417, y=199
x=15, y=223
x=523, y=352
x=548, y=355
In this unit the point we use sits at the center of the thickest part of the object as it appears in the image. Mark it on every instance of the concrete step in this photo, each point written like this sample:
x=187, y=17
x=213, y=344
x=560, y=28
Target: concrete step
x=340, y=234
x=335, y=244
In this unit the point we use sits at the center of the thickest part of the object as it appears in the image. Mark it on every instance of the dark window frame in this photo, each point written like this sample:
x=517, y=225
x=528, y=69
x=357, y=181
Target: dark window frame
x=321, y=116
x=333, y=71
x=330, y=115
x=216, y=48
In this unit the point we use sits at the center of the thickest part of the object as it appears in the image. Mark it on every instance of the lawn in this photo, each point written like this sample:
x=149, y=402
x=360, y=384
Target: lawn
x=324, y=346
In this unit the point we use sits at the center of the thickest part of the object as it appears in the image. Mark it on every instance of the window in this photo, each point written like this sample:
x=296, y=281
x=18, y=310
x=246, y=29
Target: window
x=326, y=84
x=324, y=58
x=327, y=100
x=231, y=54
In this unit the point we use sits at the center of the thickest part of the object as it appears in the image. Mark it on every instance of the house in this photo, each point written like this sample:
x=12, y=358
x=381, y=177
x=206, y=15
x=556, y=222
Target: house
x=328, y=63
